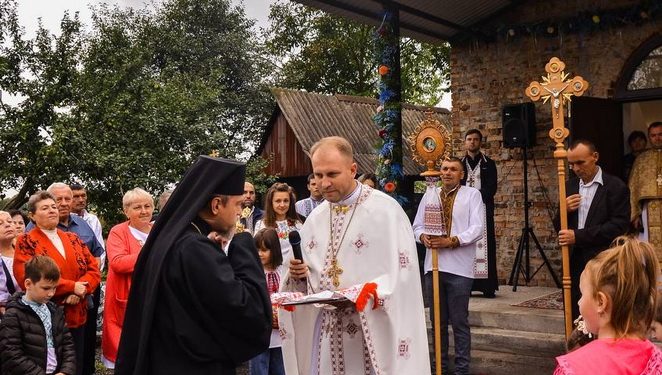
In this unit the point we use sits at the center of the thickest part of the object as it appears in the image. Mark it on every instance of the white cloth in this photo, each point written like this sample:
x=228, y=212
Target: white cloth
x=587, y=192
x=55, y=240
x=305, y=206
x=473, y=174
x=9, y=262
x=93, y=221
x=643, y=236
x=283, y=228
x=468, y=224
x=377, y=247
x=139, y=235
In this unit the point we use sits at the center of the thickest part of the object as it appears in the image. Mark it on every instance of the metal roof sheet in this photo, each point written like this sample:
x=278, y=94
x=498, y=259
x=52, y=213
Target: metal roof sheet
x=313, y=116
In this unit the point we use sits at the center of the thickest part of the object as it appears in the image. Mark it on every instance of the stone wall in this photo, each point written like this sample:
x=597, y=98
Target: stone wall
x=486, y=76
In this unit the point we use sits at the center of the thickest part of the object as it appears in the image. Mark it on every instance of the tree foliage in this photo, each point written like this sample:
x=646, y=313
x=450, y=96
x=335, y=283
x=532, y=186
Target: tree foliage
x=318, y=52
x=133, y=102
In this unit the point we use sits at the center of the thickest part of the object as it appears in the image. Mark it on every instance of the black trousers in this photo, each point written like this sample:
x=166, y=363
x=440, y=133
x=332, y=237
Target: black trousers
x=78, y=335
x=89, y=350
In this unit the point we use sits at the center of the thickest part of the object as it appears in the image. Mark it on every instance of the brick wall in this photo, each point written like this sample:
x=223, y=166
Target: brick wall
x=486, y=76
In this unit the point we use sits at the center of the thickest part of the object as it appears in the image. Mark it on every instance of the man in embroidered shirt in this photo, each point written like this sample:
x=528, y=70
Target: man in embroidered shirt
x=357, y=236
x=463, y=221
x=598, y=208
x=481, y=174
x=305, y=206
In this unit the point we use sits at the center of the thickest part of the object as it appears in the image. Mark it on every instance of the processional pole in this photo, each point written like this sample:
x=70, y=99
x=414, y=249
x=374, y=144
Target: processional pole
x=430, y=144
x=559, y=89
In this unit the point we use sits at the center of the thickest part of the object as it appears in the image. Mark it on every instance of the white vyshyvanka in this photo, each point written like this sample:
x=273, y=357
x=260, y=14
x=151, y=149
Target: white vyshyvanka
x=434, y=223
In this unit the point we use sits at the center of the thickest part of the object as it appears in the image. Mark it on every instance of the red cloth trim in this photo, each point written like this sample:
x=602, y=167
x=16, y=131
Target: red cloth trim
x=369, y=289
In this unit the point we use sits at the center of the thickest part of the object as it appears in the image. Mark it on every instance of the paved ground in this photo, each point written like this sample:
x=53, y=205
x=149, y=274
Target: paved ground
x=503, y=302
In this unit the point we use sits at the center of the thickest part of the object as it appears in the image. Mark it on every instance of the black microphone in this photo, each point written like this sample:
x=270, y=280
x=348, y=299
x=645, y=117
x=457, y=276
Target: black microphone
x=295, y=240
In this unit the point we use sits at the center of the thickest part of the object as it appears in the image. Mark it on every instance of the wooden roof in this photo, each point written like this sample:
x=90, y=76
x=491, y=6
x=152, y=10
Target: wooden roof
x=314, y=116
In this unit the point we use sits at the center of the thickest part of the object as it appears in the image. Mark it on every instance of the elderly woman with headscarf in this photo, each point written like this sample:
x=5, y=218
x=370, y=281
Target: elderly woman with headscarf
x=123, y=246
x=79, y=270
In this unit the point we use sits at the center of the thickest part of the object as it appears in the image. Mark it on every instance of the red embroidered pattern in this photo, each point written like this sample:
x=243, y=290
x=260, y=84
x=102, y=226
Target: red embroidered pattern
x=359, y=244
x=404, y=259
x=403, y=348
x=370, y=347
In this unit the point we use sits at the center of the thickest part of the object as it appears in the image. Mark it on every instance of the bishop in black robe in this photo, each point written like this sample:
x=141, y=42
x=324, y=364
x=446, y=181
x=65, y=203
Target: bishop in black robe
x=193, y=309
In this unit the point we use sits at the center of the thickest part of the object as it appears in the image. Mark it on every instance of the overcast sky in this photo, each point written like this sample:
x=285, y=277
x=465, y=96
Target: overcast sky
x=51, y=11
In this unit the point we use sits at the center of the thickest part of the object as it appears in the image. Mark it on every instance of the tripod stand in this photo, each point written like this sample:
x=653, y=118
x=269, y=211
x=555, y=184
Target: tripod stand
x=523, y=247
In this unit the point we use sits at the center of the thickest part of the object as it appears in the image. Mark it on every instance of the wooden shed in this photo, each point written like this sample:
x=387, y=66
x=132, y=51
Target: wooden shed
x=302, y=118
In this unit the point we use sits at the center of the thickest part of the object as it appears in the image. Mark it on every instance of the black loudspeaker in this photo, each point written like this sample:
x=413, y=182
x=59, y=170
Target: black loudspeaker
x=519, y=125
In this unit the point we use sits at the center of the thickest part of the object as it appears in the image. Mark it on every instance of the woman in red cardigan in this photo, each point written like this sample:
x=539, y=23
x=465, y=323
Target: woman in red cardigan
x=79, y=270
x=123, y=247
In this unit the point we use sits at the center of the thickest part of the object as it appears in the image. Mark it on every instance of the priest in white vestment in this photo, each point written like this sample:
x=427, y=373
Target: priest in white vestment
x=451, y=219
x=359, y=241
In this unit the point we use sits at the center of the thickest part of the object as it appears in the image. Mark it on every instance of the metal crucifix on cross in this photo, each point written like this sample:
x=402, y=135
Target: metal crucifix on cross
x=559, y=89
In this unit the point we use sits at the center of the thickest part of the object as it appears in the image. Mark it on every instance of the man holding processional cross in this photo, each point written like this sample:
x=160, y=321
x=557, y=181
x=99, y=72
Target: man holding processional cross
x=450, y=222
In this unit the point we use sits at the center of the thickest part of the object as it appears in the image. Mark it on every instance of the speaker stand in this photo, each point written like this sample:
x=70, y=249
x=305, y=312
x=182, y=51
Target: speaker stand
x=523, y=248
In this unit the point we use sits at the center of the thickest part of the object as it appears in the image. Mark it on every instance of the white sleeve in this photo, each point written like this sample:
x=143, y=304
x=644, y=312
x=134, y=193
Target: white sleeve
x=476, y=219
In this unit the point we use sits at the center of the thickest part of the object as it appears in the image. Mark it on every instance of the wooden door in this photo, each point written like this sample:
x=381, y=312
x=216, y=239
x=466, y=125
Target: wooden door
x=601, y=122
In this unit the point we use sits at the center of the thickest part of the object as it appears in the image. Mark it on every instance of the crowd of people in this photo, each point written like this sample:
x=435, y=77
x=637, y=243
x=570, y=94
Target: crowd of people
x=213, y=280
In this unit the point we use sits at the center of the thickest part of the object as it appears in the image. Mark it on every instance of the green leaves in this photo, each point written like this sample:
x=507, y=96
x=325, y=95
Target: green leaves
x=133, y=102
x=322, y=53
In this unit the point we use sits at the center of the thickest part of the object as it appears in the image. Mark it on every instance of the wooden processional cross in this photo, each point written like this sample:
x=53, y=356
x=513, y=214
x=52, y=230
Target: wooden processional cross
x=557, y=89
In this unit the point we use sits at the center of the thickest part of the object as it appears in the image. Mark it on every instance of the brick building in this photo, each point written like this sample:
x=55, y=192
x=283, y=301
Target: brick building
x=499, y=47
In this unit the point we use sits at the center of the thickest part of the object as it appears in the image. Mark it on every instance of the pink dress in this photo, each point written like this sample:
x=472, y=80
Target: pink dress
x=605, y=357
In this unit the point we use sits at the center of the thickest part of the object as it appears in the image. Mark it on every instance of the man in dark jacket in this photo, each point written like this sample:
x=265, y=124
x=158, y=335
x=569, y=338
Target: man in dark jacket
x=25, y=348
x=193, y=309
x=598, y=208
x=481, y=173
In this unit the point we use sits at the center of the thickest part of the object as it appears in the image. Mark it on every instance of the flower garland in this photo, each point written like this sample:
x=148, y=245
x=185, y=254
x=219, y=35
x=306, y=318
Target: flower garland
x=388, y=118
x=587, y=21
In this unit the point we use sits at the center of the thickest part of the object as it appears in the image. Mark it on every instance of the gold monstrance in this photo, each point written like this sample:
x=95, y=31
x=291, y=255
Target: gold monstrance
x=559, y=89
x=430, y=145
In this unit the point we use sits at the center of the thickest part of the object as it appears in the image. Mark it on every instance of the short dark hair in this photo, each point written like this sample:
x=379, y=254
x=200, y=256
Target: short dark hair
x=42, y=267
x=37, y=197
x=268, y=238
x=637, y=134
x=585, y=142
x=310, y=177
x=454, y=159
x=473, y=131
x=75, y=187
x=15, y=212
x=654, y=125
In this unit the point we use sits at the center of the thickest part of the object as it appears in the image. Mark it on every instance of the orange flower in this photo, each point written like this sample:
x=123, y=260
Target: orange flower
x=389, y=187
x=383, y=70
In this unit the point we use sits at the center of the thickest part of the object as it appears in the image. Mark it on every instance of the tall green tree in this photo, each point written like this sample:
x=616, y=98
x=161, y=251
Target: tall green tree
x=42, y=72
x=134, y=101
x=318, y=52
x=161, y=87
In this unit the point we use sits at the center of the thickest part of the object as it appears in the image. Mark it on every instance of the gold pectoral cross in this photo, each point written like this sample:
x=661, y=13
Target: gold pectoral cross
x=334, y=272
